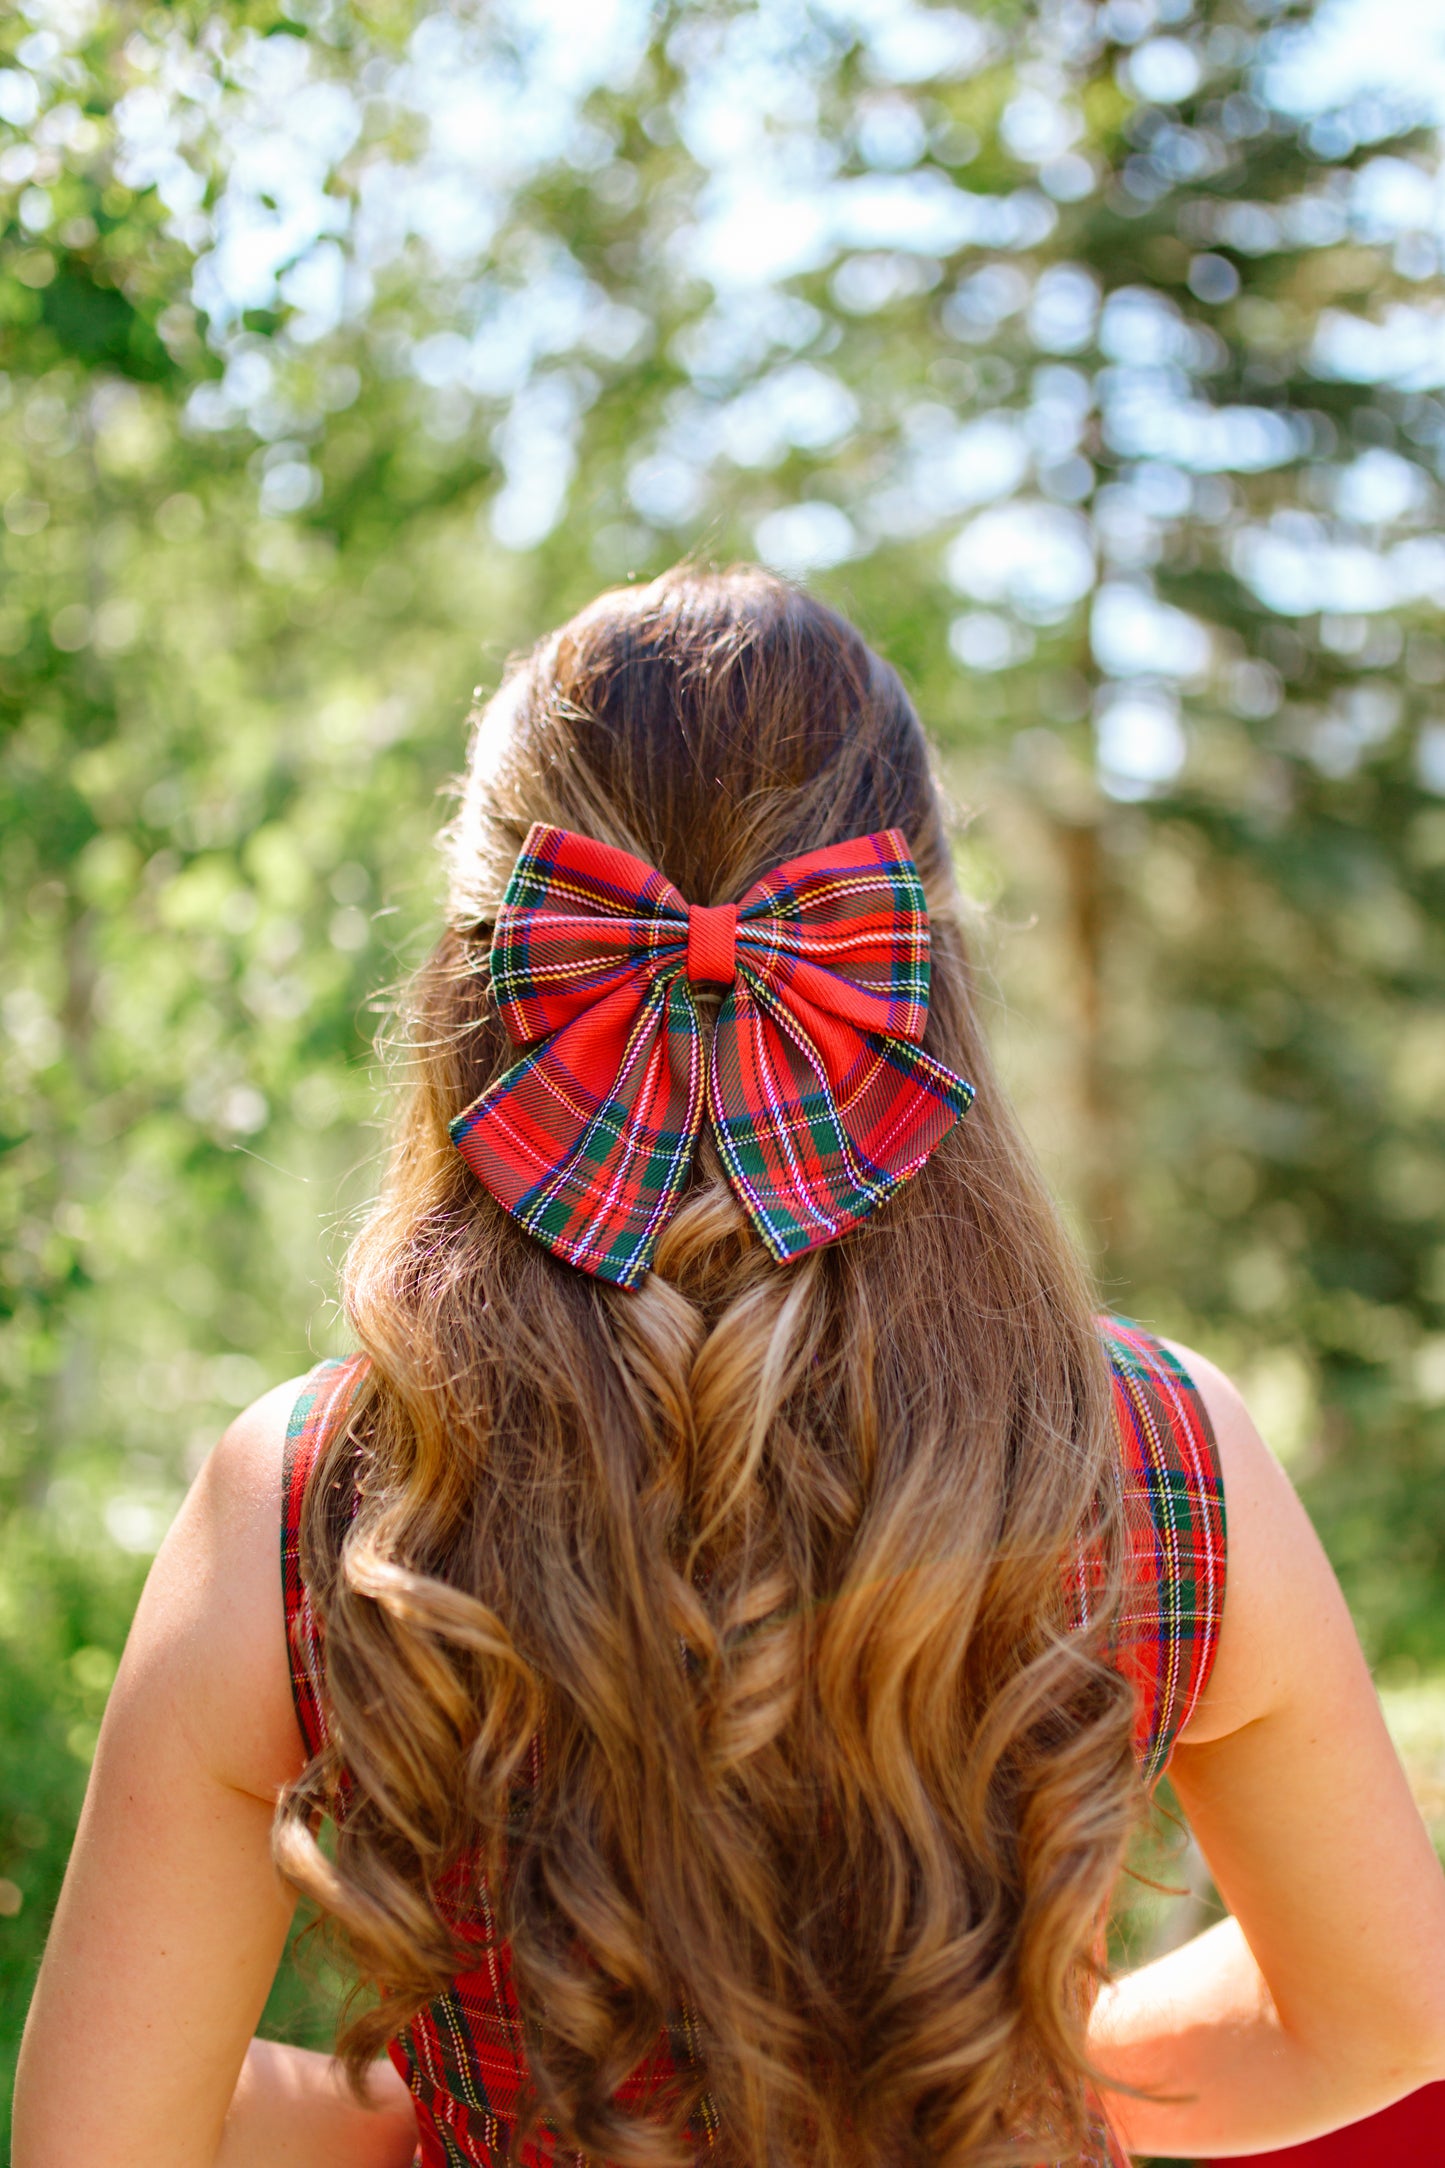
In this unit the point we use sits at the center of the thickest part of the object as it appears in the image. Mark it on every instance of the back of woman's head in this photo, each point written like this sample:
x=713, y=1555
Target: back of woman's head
x=726, y=1620
x=715, y=724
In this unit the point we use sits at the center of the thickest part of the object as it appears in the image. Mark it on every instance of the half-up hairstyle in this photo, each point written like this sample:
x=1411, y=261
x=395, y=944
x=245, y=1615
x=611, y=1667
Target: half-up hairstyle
x=726, y=1625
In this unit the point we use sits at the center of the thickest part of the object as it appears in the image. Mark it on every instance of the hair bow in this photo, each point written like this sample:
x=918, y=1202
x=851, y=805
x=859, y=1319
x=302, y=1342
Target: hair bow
x=820, y=1096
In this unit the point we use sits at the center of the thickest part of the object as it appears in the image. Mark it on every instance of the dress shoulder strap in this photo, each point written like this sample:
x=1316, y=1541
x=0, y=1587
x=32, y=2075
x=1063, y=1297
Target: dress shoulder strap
x=326, y=1394
x=1173, y=1496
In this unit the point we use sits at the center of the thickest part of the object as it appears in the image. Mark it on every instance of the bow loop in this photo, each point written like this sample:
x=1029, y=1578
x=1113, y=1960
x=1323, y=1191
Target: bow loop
x=846, y=930
x=578, y=919
x=819, y=1093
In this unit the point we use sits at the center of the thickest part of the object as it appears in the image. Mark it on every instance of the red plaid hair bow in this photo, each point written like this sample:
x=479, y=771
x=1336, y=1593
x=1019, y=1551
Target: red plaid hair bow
x=820, y=1096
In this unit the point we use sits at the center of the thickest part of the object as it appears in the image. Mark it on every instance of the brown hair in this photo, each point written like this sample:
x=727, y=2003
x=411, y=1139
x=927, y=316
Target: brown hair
x=723, y=1621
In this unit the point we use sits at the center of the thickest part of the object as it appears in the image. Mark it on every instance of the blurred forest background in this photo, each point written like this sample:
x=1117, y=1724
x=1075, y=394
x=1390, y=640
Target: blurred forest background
x=1091, y=356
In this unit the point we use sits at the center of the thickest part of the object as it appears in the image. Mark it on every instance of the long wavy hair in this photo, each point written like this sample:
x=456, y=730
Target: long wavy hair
x=721, y=1629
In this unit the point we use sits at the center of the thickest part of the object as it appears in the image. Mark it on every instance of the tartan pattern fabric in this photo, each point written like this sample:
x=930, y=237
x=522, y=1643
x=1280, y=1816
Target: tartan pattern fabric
x=464, y=2056
x=813, y=1076
x=1173, y=1497
x=323, y=1402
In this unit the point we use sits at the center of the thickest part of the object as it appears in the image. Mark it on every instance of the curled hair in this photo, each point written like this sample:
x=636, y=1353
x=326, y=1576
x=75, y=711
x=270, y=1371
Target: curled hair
x=721, y=1624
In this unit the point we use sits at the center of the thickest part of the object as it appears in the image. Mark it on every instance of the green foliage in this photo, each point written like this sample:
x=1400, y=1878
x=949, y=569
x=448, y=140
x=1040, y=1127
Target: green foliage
x=1072, y=350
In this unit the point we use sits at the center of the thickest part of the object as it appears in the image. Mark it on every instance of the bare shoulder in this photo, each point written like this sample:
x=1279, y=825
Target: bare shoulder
x=1280, y=1591
x=240, y=1480
x=209, y=1635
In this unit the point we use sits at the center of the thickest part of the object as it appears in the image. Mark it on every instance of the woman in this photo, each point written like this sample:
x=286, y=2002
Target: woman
x=738, y=1597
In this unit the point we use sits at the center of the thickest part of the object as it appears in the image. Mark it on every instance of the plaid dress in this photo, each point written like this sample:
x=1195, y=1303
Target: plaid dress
x=463, y=2056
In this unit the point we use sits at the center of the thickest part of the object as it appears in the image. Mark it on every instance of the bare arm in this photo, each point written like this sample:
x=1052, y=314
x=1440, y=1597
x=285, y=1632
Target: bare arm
x=172, y=1918
x=1323, y=1998
x=292, y=2109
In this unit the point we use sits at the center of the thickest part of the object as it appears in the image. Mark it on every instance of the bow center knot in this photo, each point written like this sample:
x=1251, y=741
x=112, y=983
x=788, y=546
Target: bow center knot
x=712, y=943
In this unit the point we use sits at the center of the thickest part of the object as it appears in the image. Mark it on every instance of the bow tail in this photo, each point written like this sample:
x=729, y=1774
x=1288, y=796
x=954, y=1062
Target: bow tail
x=817, y=1121
x=587, y=1140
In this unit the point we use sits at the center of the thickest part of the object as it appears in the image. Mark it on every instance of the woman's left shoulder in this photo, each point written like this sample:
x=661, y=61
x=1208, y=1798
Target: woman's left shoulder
x=1277, y=1568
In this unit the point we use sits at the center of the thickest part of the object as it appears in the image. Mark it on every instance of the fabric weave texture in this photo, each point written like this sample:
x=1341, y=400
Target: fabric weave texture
x=813, y=1074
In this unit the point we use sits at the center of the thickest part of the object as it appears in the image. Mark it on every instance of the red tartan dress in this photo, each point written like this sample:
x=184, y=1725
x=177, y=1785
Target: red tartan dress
x=463, y=2056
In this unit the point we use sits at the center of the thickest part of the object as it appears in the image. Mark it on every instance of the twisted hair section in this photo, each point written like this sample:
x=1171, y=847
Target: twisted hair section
x=720, y=1626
